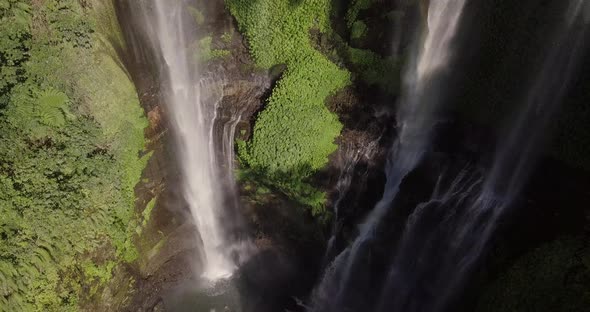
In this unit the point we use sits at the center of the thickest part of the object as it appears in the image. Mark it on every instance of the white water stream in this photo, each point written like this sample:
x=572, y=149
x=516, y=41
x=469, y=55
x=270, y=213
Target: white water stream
x=205, y=158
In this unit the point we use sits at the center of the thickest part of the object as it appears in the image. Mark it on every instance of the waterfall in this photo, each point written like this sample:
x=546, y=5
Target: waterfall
x=513, y=159
x=446, y=236
x=416, y=117
x=205, y=158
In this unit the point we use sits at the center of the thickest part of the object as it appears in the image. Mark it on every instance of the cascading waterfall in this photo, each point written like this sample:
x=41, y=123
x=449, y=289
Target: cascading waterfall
x=221, y=139
x=416, y=118
x=442, y=239
x=205, y=171
x=445, y=237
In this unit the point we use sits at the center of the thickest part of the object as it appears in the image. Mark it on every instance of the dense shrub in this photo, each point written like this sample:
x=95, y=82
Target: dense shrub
x=71, y=130
x=358, y=30
x=355, y=7
x=295, y=133
x=375, y=70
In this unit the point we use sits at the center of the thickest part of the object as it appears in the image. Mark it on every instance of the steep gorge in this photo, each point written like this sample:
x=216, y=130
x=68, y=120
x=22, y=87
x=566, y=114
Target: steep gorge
x=305, y=155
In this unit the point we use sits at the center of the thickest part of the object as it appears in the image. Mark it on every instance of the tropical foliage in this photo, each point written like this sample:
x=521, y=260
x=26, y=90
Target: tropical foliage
x=373, y=69
x=71, y=130
x=295, y=133
x=354, y=9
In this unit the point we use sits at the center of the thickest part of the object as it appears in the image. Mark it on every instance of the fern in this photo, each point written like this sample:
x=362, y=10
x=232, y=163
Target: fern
x=22, y=14
x=52, y=108
x=32, y=271
x=24, y=7
x=52, y=118
x=38, y=262
x=16, y=302
x=44, y=254
x=3, y=283
x=48, y=247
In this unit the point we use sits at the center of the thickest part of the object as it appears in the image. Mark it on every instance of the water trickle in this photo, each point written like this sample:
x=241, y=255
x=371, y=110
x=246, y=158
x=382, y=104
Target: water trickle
x=350, y=156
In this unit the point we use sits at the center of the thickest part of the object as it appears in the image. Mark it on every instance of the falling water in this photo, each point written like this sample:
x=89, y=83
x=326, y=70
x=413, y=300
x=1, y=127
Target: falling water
x=416, y=118
x=350, y=156
x=513, y=159
x=192, y=115
x=445, y=237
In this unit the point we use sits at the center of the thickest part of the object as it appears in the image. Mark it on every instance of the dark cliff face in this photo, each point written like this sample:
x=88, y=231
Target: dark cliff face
x=501, y=52
x=500, y=49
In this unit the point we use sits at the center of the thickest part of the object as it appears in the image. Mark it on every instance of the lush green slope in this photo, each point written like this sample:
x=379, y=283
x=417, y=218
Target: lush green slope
x=71, y=131
x=295, y=133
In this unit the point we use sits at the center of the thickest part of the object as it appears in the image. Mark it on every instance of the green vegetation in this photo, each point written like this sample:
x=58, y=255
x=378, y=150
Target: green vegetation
x=368, y=66
x=206, y=53
x=147, y=212
x=295, y=133
x=375, y=70
x=358, y=30
x=355, y=7
x=226, y=38
x=71, y=130
x=197, y=15
x=554, y=277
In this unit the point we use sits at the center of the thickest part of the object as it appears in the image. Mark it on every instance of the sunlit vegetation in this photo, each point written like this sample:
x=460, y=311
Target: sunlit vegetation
x=71, y=132
x=295, y=133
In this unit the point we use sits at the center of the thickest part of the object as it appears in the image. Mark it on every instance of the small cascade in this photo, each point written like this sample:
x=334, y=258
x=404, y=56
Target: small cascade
x=221, y=139
x=445, y=237
x=350, y=155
